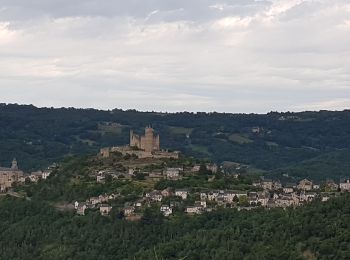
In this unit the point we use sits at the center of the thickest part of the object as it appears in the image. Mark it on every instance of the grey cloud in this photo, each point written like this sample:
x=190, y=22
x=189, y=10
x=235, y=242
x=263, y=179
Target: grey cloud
x=236, y=56
x=169, y=10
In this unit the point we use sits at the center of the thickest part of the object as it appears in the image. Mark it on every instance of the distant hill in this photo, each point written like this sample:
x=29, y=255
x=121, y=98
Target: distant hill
x=315, y=144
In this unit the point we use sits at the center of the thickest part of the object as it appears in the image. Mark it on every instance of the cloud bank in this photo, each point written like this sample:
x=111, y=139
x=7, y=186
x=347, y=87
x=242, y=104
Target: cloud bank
x=198, y=55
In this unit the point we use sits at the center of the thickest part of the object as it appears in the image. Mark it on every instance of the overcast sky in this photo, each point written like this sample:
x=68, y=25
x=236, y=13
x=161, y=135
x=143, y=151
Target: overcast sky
x=176, y=55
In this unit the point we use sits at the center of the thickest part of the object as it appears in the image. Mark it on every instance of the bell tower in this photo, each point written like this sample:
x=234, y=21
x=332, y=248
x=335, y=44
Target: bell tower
x=14, y=165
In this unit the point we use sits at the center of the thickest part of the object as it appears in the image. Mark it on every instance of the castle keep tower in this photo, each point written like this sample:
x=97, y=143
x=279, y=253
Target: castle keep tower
x=149, y=142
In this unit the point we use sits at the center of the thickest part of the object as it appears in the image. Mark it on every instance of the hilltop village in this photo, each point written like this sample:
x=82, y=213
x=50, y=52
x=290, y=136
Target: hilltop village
x=141, y=176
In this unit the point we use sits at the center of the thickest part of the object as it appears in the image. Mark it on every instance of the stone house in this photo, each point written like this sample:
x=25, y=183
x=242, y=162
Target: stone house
x=307, y=196
x=345, y=185
x=284, y=201
x=154, y=196
x=277, y=185
x=181, y=193
x=167, y=192
x=316, y=186
x=45, y=174
x=105, y=209
x=194, y=210
x=305, y=185
x=166, y=210
x=81, y=207
x=95, y=200
x=267, y=184
x=173, y=173
x=288, y=190
x=129, y=211
x=331, y=185
x=35, y=176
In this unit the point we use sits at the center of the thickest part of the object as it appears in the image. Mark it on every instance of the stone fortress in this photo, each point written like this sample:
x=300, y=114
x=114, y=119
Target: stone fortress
x=8, y=176
x=149, y=142
x=146, y=146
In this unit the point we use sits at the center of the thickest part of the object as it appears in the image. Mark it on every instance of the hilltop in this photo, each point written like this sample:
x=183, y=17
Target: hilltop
x=276, y=143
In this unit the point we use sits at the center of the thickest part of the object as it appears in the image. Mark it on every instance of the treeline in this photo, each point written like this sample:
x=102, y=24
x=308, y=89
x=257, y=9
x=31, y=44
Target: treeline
x=34, y=230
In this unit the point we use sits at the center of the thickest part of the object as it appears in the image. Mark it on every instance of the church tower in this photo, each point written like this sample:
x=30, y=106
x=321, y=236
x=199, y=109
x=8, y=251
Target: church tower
x=14, y=164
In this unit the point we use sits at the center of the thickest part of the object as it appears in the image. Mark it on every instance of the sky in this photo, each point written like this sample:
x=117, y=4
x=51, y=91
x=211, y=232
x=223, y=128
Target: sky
x=176, y=55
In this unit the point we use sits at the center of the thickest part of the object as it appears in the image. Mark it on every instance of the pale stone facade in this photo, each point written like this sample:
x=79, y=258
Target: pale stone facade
x=345, y=185
x=148, y=146
x=8, y=176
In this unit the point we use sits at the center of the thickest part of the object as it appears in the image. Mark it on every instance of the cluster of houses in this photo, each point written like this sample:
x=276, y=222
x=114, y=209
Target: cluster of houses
x=169, y=173
x=270, y=194
x=12, y=175
x=100, y=202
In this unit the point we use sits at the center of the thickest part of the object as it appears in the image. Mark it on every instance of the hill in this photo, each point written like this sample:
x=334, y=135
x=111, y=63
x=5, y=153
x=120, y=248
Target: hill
x=34, y=230
x=270, y=142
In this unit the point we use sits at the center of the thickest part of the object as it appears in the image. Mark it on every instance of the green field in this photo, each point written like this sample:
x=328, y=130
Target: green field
x=239, y=139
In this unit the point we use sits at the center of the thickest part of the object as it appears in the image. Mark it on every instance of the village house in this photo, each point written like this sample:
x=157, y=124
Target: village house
x=253, y=198
x=35, y=176
x=129, y=211
x=289, y=188
x=345, y=185
x=307, y=196
x=166, y=210
x=284, y=201
x=277, y=185
x=230, y=196
x=105, y=209
x=81, y=208
x=194, y=210
x=213, y=195
x=212, y=167
x=331, y=185
x=154, y=196
x=325, y=198
x=95, y=200
x=305, y=185
x=201, y=203
x=263, y=199
x=173, y=173
x=181, y=193
x=100, y=179
x=167, y=192
x=203, y=195
x=316, y=186
x=267, y=184
x=45, y=174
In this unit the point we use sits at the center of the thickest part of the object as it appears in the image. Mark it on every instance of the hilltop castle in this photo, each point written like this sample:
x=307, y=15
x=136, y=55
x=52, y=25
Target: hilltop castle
x=149, y=142
x=147, y=146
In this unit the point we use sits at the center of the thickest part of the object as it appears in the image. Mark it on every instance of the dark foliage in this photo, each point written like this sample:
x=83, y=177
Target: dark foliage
x=34, y=230
x=280, y=141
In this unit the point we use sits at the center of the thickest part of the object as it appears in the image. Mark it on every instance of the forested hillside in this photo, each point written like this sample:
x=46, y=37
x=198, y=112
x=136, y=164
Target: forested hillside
x=296, y=143
x=34, y=230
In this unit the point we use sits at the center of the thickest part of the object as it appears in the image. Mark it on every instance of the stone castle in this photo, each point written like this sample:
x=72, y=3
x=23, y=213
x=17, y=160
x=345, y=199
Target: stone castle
x=149, y=142
x=8, y=176
x=146, y=146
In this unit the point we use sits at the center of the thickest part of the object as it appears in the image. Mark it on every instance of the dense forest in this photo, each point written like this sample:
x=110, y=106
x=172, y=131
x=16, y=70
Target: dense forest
x=313, y=144
x=34, y=230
